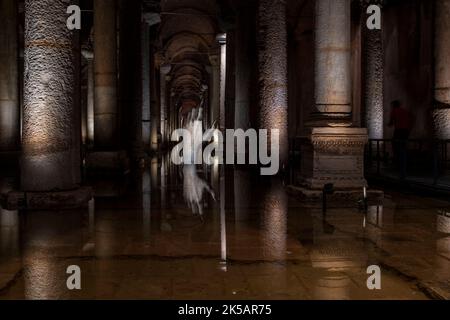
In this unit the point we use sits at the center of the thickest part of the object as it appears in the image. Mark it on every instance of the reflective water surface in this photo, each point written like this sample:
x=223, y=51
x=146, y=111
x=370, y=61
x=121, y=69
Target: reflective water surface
x=218, y=233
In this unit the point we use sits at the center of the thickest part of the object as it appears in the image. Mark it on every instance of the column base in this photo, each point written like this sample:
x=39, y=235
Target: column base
x=107, y=162
x=441, y=120
x=56, y=200
x=334, y=156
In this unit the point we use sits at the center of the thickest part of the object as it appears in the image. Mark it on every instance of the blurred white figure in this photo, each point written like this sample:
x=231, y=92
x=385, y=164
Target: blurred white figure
x=193, y=186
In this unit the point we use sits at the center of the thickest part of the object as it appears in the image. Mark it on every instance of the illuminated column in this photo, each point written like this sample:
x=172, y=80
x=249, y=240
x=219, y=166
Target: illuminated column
x=9, y=97
x=332, y=60
x=155, y=114
x=274, y=222
x=105, y=66
x=89, y=56
x=49, y=110
x=374, y=73
x=145, y=39
x=441, y=113
x=335, y=151
x=222, y=39
x=273, y=112
x=164, y=71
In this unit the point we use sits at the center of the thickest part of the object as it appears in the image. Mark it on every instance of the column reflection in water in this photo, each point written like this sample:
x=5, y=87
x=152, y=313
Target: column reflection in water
x=146, y=204
x=154, y=175
x=90, y=243
x=443, y=246
x=242, y=194
x=223, y=221
x=165, y=225
x=374, y=224
x=274, y=220
x=9, y=234
x=333, y=253
x=48, y=236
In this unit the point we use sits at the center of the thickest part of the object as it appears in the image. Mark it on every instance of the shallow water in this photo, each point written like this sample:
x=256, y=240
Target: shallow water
x=252, y=242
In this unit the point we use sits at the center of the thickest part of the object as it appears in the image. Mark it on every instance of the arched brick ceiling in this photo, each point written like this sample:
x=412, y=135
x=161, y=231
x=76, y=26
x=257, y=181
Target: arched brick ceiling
x=188, y=36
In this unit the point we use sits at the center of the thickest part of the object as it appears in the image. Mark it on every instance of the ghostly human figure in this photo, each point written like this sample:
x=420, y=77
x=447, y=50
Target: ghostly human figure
x=194, y=187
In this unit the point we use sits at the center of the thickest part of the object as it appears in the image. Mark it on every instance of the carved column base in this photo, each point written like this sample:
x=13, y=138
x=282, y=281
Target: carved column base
x=51, y=200
x=334, y=155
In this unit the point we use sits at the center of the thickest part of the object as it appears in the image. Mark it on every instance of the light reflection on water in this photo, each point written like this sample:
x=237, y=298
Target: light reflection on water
x=244, y=219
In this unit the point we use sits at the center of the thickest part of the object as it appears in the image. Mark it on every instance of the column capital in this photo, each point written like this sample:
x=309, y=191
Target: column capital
x=151, y=18
x=222, y=38
x=87, y=54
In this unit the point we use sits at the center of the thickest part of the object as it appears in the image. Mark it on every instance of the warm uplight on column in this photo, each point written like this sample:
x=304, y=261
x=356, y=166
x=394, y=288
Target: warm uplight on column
x=273, y=113
x=48, y=115
x=441, y=113
x=333, y=58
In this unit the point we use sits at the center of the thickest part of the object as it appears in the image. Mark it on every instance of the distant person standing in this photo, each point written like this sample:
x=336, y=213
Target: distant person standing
x=402, y=121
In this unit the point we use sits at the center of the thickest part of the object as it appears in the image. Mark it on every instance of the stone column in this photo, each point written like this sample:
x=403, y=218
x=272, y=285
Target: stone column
x=243, y=66
x=105, y=66
x=130, y=83
x=273, y=112
x=145, y=39
x=164, y=71
x=332, y=61
x=89, y=56
x=215, y=90
x=50, y=167
x=9, y=84
x=333, y=152
x=374, y=75
x=222, y=39
x=441, y=113
x=155, y=114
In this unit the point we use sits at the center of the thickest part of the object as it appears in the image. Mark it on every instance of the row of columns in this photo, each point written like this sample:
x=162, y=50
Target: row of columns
x=49, y=132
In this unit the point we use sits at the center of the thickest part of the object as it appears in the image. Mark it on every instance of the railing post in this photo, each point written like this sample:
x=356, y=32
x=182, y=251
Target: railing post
x=378, y=157
x=435, y=145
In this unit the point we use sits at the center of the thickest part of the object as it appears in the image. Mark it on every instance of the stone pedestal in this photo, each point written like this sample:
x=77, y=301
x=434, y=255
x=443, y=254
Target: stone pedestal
x=334, y=155
x=48, y=200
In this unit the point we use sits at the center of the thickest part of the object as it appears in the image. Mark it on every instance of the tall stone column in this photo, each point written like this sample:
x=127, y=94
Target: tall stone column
x=155, y=111
x=105, y=66
x=273, y=112
x=243, y=64
x=145, y=39
x=9, y=96
x=334, y=151
x=222, y=39
x=215, y=89
x=89, y=56
x=333, y=60
x=130, y=83
x=441, y=113
x=373, y=74
x=164, y=105
x=50, y=171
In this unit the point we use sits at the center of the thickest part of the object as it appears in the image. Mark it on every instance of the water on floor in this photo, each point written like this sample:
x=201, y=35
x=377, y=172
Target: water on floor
x=219, y=233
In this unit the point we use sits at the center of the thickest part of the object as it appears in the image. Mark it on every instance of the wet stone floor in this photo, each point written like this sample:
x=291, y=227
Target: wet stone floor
x=175, y=234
